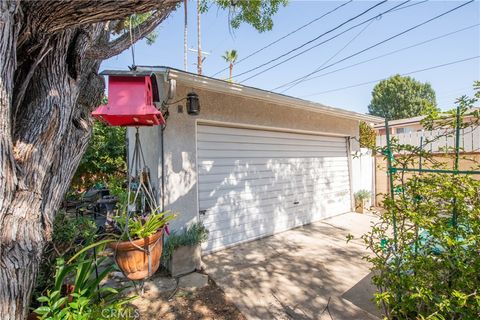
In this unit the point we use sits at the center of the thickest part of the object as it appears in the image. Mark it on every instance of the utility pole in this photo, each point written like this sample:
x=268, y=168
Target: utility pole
x=199, y=44
x=185, y=31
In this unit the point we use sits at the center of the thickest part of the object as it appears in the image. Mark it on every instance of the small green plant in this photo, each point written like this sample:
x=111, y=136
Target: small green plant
x=139, y=227
x=192, y=236
x=76, y=293
x=70, y=234
x=362, y=195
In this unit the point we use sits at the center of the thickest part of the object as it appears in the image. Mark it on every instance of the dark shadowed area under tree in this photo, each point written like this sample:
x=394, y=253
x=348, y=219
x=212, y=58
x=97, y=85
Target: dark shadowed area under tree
x=50, y=54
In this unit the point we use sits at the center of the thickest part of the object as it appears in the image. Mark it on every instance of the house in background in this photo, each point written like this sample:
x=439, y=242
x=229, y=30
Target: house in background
x=410, y=131
x=400, y=126
x=248, y=163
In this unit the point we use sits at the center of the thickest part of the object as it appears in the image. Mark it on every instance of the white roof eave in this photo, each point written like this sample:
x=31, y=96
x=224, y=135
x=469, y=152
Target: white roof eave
x=221, y=86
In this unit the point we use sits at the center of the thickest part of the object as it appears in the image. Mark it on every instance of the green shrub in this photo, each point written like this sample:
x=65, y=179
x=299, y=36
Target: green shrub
x=368, y=136
x=104, y=158
x=70, y=234
x=361, y=195
x=192, y=236
x=76, y=293
x=426, y=245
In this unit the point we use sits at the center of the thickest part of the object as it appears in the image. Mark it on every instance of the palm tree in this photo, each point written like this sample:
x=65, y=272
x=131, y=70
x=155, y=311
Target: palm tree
x=230, y=57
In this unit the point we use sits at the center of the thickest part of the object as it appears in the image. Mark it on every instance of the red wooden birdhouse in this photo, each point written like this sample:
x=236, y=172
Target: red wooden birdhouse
x=130, y=103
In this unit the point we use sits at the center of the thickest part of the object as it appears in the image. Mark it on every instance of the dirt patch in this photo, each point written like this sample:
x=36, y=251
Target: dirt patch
x=205, y=303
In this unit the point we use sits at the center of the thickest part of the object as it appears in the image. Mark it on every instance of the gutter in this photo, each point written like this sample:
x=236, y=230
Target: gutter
x=221, y=86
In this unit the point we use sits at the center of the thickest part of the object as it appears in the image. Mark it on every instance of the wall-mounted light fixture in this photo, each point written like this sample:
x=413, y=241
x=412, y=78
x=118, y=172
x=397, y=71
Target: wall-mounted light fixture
x=193, y=104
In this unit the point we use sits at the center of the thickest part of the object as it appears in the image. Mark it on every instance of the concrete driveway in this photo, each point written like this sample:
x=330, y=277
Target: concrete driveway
x=305, y=273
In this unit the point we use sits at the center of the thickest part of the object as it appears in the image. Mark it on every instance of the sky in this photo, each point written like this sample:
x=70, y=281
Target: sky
x=338, y=88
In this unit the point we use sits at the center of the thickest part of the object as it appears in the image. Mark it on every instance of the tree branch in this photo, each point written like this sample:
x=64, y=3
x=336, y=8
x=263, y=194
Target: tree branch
x=117, y=46
x=53, y=15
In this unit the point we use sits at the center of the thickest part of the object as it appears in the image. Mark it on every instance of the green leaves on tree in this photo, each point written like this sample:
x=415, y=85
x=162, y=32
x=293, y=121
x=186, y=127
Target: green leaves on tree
x=401, y=97
x=257, y=13
x=367, y=136
x=105, y=156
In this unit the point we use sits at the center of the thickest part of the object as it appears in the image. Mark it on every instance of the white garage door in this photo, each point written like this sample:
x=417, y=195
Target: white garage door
x=254, y=183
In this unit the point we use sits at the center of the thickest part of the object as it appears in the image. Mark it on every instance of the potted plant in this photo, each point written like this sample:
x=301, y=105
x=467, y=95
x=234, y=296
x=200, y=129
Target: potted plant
x=182, y=252
x=362, y=201
x=139, y=245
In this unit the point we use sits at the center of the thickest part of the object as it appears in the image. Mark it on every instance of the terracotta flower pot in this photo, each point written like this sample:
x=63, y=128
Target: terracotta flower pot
x=133, y=261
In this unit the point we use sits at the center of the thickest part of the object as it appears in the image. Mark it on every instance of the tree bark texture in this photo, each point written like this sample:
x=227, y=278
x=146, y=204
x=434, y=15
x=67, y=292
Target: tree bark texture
x=50, y=54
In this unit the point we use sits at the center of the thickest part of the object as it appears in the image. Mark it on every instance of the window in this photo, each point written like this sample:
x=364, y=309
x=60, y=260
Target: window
x=403, y=130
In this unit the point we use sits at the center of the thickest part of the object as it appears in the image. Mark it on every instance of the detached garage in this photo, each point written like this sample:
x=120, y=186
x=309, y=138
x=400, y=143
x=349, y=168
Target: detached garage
x=248, y=163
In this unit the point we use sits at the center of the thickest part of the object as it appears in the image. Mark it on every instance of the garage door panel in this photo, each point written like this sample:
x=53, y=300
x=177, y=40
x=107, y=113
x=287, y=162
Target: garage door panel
x=212, y=163
x=242, y=139
x=255, y=232
x=252, y=193
x=251, y=183
x=254, y=183
x=267, y=211
x=280, y=218
x=237, y=177
x=209, y=168
x=277, y=219
x=254, y=212
x=252, y=133
x=262, y=154
x=232, y=202
x=270, y=147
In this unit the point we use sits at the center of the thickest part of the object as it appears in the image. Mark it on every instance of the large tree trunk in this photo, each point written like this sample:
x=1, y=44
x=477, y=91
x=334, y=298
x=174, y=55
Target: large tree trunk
x=50, y=135
x=50, y=53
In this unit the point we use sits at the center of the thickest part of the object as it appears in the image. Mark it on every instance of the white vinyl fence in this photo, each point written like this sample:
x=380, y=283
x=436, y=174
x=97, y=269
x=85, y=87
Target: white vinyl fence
x=363, y=171
x=469, y=140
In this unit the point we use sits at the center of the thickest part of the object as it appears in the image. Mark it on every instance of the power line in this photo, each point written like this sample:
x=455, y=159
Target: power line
x=411, y=5
x=370, y=47
x=403, y=74
x=328, y=60
x=287, y=35
x=314, y=39
x=325, y=41
x=378, y=57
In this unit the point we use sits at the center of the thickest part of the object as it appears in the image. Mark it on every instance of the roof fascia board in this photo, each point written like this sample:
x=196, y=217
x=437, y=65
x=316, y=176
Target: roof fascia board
x=249, y=92
x=221, y=86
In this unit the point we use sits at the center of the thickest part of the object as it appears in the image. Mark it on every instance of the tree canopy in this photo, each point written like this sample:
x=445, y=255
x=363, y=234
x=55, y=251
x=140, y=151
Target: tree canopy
x=401, y=97
x=257, y=13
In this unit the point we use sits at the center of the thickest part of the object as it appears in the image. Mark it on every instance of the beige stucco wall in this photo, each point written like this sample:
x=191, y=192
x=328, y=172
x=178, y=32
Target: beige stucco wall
x=180, y=140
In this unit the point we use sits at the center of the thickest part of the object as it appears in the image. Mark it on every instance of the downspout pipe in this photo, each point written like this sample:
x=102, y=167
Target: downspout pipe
x=162, y=164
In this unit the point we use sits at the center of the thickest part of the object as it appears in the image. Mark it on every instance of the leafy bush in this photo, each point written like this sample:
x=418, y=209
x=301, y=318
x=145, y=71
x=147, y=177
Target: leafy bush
x=368, y=136
x=77, y=294
x=104, y=158
x=426, y=246
x=194, y=235
x=70, y=234
x=432, y=271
